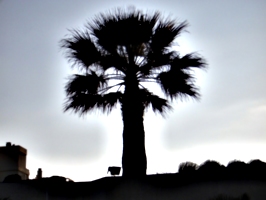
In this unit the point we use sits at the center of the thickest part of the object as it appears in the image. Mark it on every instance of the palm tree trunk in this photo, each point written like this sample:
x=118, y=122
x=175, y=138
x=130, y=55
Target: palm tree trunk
x=134, y=162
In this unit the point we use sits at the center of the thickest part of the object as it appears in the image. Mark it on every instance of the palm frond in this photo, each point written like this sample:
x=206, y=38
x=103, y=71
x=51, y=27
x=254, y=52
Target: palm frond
x=122, y=28
x=104, y=90
x=158, y=104
x=188, y=61
x=110, y=101
x=88, y=83
x=80, y=49
x=165, y=33
x=113, y=61
x=156, y=61
x=178, y=83
x=83, y=103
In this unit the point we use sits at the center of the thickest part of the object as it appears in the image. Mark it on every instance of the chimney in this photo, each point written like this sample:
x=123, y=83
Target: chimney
x=39, y=174
x=8, y=144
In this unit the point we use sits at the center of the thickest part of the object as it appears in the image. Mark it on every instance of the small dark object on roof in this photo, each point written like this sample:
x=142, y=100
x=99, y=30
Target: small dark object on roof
x=114, y=170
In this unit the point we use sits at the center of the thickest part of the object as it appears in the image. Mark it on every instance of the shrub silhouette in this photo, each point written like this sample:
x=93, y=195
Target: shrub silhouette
x=187, y=171
x=237, y=169
x=187, y=167
x=211, y=170
x=257, y=169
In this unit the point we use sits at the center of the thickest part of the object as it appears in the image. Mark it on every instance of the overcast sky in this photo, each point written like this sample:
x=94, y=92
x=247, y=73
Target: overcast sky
x=229, y=122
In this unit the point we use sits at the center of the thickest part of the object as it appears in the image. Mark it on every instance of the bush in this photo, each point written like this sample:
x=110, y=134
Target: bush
x=187, y=167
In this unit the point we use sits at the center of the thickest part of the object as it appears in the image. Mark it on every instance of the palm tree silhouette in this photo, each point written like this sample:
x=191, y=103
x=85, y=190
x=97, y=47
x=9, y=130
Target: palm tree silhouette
x=115, y=54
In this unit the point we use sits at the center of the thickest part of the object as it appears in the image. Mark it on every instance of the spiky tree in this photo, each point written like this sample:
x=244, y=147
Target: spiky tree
x=130, y=48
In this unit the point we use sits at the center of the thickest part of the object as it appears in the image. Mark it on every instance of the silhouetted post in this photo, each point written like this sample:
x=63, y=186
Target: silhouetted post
x=39, y=174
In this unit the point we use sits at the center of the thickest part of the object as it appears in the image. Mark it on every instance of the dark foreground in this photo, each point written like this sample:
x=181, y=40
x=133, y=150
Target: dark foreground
x=155, y=187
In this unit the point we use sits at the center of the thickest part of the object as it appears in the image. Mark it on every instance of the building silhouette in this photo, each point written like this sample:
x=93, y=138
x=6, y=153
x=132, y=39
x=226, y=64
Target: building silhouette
x=13, y=162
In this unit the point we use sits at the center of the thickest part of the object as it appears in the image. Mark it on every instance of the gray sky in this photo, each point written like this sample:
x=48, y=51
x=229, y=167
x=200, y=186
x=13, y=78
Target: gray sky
x=227, y=123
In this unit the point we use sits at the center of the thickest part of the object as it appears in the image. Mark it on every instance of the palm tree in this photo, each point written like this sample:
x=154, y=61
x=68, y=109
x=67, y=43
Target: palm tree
x=115, y=54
